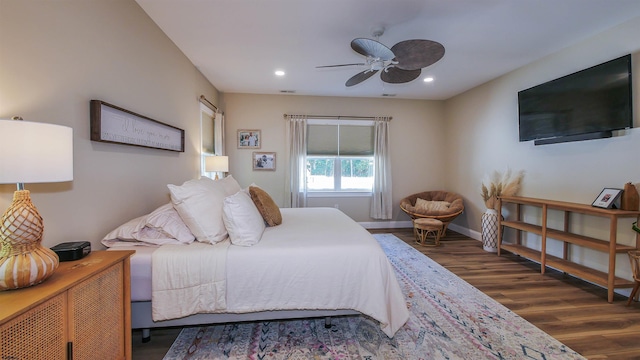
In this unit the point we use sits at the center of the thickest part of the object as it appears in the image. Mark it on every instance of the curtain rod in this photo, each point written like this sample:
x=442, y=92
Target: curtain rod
x=338, y=117
x=208, y=103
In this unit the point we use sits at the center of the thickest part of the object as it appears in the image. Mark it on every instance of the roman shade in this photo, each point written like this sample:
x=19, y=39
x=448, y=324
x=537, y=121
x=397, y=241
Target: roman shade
x=340, y=140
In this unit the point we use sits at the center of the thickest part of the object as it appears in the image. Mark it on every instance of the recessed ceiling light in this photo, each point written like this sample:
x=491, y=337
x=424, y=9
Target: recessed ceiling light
x=279, y=73
x=428, y=79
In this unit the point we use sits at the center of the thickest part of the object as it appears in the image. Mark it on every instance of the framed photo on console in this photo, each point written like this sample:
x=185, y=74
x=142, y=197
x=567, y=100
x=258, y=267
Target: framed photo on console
x=607, y=198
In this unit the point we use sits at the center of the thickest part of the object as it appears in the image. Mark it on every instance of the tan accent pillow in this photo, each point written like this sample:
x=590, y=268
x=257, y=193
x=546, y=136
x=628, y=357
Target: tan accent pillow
x=266, y=206
x=425, y=205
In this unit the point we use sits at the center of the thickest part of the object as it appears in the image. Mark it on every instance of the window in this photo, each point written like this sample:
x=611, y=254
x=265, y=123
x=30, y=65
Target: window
x=207, y=120
x=339, y=156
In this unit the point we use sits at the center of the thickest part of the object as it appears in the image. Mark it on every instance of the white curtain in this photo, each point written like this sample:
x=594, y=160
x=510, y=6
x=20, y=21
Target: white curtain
x=381, y=207
x=218, y=132
x=297, y=178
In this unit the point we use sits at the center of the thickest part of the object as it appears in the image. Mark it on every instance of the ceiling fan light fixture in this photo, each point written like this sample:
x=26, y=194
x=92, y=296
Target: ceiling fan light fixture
x=428, y=79
x=279, y=72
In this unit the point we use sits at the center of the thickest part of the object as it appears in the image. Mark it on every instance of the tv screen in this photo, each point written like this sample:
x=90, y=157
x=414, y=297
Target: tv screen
x=596, y=100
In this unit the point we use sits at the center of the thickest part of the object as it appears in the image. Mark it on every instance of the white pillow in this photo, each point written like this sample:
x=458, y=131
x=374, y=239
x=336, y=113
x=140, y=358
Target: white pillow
x=199, y=203
x=167, y=220
x=125, y=232
x=160, y=227
x=229, y=184
x=242, y=219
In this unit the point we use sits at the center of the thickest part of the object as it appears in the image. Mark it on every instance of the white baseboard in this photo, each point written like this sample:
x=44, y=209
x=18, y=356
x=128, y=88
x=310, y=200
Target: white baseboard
x=468, y=232
x=408, y=224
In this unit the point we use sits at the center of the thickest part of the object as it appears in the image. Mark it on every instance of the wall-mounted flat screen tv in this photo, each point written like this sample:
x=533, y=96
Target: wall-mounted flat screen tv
x=588, y=104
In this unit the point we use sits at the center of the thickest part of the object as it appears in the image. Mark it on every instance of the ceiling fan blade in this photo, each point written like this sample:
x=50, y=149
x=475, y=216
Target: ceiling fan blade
x=394, y=75
x=416, y=54
x=360, y=77
x=372, y=48
x=330, y=66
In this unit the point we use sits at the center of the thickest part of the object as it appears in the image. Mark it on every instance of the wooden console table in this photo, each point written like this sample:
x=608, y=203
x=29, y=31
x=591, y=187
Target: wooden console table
x=610, y=246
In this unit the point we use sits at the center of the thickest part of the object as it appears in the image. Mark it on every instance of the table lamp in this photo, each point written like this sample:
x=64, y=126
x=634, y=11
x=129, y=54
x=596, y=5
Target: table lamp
x=216, y=163
x=30, y=152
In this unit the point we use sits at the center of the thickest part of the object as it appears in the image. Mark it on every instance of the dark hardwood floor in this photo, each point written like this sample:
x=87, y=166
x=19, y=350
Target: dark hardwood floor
x=571, y=310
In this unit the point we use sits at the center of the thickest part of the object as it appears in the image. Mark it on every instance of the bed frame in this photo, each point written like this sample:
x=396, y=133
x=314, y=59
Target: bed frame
x=141, y=317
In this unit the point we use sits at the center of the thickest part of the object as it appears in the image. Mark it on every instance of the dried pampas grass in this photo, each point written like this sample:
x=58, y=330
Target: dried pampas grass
x=497, y=184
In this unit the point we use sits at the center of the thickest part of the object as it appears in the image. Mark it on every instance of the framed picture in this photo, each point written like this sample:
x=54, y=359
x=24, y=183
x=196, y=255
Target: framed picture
x=249, y=139
x=113, y=124
x=607, y=198
x=264, y=161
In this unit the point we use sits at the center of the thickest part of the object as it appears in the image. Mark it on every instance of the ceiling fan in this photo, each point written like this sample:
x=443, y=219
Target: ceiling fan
x=400, y=64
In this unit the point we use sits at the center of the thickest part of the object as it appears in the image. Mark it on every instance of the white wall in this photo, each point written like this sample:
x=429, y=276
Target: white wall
x=417, y=142
x=482, y=133
x=55, y=56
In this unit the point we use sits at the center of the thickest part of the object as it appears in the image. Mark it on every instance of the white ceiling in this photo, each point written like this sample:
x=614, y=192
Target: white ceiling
x=238, y=44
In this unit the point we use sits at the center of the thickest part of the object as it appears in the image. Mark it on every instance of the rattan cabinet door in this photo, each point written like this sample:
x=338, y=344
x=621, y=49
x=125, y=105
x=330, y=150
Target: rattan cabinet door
x=39, y=333
x=96, y=313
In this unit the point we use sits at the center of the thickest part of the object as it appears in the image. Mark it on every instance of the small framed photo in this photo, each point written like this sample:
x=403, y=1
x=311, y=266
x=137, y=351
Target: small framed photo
x=264, y=161
x=607, y=198
x=249, y=139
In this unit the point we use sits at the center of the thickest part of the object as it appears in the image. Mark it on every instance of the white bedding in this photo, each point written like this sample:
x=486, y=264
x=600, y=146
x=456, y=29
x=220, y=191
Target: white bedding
x=140, y=271
x=317, y=259
x=188, y=279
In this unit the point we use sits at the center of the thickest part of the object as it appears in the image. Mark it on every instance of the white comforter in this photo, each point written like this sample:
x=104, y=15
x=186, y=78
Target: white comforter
x=188, y=279
x=318, y=258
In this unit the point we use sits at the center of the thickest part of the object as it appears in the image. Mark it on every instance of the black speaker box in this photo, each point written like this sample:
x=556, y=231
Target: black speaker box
x=70, y=251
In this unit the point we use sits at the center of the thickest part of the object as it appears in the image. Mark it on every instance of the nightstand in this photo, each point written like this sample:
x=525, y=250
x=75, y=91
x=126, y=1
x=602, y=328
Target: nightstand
x=82, y=311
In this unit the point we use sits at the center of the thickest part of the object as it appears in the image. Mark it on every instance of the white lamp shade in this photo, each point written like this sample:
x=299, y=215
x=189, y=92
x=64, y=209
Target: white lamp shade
x=216, y=163
x=32, y=152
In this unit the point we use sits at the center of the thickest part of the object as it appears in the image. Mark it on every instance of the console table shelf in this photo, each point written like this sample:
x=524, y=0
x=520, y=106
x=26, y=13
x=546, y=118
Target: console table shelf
x=610, y=246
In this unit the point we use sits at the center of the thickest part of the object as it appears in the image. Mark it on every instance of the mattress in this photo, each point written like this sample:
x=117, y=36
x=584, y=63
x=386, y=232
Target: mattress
x=140, y=271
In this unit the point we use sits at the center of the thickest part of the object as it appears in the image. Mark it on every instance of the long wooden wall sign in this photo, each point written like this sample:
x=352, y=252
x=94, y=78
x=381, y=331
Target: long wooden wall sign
x=113, y=124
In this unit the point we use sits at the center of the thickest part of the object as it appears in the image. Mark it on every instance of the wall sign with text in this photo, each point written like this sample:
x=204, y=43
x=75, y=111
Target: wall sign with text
x=112, y=124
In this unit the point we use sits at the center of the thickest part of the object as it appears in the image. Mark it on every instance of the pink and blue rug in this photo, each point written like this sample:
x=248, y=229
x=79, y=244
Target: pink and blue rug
x=450, y=319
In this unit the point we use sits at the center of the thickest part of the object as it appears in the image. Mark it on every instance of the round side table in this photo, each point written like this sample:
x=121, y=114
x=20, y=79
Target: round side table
x=425, y=227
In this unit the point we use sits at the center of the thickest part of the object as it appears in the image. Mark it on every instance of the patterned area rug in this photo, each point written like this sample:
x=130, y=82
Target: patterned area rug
x=450, y=319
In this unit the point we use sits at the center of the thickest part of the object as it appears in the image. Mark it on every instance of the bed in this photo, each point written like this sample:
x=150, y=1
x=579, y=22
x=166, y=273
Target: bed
x=317, y=262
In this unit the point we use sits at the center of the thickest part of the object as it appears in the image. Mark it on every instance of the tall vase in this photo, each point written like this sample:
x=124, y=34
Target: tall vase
x=490, y=230
x=630, y=197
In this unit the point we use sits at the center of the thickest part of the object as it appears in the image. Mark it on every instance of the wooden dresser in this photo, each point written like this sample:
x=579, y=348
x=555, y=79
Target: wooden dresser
x=81, y=312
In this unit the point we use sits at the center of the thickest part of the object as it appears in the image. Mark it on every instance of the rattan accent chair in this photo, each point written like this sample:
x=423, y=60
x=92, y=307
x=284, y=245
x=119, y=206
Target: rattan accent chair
x=446, y=216
x=634, y=258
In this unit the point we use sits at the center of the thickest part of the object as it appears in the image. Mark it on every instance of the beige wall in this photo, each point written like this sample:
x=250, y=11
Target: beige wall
x=482, y=135
x=417, y=142
x=55, y=56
